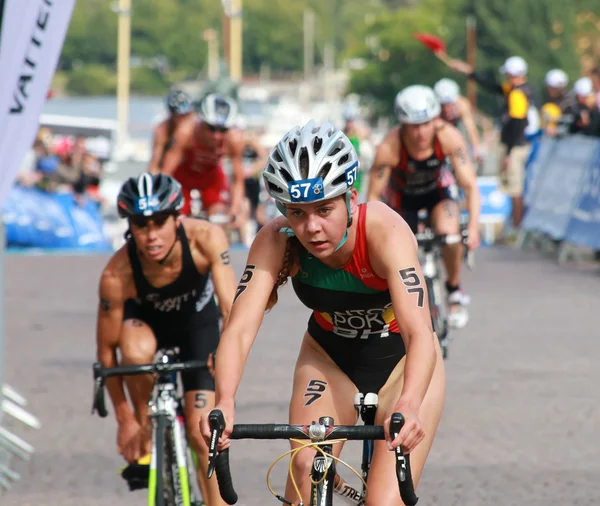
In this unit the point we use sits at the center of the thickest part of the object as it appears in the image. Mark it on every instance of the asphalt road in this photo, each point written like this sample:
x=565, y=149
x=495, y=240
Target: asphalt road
x=521, y=423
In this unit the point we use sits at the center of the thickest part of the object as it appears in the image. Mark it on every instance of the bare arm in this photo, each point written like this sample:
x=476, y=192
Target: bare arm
x=260, y=274
x=454, y=146
x=236, y=152
x=110, y=320
x=262, y=155
x=181, y=139
x=393, y=252
x=379, y=174
x=158, y=146
x=469, y=122
x=223, y=275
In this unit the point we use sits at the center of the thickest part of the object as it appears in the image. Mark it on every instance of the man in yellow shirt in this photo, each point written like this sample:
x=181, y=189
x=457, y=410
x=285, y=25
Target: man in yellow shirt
x=515, y=118
x=556, y=87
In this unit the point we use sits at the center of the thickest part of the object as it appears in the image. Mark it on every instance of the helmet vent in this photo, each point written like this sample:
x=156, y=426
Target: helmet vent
x=324, y=170
x=293, y=145
x=304, y=163
x=317, y=143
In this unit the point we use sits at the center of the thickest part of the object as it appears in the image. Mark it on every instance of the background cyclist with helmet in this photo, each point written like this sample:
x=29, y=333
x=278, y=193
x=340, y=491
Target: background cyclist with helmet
x=181, y=112
x=356, y=267
x=357, y=132
x=157, y=291
x=195, y=159
x=457, y=109
x=412, y=172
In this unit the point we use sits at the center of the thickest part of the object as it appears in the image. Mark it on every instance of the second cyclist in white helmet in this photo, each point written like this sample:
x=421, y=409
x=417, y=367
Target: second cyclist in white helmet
x=195, y=159
x=351, y=264
x=411, y=172
x=457, y=110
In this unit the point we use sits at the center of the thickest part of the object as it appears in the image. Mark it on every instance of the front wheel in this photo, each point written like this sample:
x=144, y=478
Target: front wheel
x=166, y=466
x=438, y=313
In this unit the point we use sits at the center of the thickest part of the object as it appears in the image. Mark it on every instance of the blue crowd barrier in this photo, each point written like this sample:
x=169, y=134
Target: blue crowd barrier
x=584, y=226
x=563, y=197
x=36, y=219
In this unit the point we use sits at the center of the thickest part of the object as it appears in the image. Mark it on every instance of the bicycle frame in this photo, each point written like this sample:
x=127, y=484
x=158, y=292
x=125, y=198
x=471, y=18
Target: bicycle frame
x=166, y=420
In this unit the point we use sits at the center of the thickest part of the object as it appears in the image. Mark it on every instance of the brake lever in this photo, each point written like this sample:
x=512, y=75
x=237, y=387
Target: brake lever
x=216, y=420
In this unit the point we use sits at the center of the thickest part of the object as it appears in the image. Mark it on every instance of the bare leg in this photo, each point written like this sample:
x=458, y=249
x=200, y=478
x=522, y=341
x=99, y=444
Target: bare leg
x=445, y=220
x=382, y=484
x=320, y=389
x=138, y=346
x=197, y=404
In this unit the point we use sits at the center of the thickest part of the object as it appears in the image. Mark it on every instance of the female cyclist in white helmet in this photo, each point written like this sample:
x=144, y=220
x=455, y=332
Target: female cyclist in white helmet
x=457, y=109
x=344, y=259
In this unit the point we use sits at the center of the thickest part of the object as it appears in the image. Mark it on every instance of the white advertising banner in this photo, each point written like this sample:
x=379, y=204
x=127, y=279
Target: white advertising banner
x=32, y=33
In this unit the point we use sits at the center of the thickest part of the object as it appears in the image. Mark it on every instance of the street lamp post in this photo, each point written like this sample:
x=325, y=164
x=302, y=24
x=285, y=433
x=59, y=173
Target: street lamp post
x=123, y=10
x=210, y=36
x=232, y=35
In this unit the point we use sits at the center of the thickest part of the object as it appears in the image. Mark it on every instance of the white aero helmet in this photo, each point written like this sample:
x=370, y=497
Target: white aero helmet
x=447, y=91
x=416, y=104
x=219, y=111
x=556, y=78
x=312, y=163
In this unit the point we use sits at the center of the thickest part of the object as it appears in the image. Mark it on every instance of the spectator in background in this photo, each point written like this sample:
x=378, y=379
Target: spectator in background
x=595, y=76
x=583, y=113
x=518, y=123
x=556, y=90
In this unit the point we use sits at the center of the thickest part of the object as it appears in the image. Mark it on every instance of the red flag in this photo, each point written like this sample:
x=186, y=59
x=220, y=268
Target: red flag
x=431, y=42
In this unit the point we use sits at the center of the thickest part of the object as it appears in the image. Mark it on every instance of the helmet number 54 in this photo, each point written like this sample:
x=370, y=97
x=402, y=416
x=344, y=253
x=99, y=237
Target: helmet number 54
x=147, y=203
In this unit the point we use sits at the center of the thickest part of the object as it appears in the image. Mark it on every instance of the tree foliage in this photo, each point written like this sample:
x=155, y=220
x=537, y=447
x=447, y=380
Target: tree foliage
x=167, y=43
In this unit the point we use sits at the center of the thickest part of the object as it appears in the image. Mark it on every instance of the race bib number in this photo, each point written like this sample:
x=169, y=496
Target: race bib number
x=147, y=204
x=307, y=190
x=351, y=173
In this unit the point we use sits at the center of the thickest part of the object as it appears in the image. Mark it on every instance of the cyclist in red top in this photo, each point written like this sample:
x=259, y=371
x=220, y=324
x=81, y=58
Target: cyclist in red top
x=411, y=170
x=181, y=113
x=195, y=156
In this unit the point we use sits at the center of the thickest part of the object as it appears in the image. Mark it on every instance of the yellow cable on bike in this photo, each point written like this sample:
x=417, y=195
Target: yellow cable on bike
x=295, y=451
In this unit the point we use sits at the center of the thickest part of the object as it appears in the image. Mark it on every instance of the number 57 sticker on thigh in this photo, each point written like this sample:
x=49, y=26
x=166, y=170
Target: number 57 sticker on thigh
x=307, y=190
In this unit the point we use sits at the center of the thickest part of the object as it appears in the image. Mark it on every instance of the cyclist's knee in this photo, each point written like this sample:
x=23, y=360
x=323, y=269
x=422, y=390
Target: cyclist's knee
x=137, y=342
x=303, y=463
x=446, y=224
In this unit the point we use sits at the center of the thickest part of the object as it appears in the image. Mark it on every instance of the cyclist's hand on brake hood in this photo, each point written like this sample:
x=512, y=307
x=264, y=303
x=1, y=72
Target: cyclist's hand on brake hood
x=411, y=434
x=228, y=410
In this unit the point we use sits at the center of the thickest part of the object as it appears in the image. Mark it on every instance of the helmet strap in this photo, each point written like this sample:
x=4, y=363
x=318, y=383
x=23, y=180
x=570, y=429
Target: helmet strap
x=349, y=223
x=281, y=207
x=164, y=259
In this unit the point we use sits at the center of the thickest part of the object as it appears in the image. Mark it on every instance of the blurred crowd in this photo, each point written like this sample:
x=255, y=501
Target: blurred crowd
x=575, y=111
x=63, y=164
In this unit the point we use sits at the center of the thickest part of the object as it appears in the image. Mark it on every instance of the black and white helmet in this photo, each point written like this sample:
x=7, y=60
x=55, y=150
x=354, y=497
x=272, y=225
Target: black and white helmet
x=310, y=163
x=218, y=111
x=179, y=102
x=416, y=104
x=149, y=194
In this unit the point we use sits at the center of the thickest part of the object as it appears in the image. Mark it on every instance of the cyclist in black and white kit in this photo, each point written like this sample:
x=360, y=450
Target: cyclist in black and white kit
x=157, y=292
